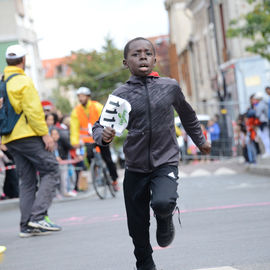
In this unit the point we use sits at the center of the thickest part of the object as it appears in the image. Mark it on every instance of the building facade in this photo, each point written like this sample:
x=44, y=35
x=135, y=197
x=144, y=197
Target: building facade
x=54, y=70
x=17, y=27
x=161, y=44
x=198, y=31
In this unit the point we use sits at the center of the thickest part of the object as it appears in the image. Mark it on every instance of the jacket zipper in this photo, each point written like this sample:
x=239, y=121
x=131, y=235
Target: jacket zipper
x=150, y=124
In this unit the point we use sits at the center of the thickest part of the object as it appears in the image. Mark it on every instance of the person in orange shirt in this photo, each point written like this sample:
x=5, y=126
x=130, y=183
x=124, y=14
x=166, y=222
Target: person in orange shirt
x=83, y=117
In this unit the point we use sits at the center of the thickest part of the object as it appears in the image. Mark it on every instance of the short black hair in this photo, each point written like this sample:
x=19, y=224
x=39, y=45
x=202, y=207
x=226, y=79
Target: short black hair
x=14, y=62
x=126, y=49
x=54, y=115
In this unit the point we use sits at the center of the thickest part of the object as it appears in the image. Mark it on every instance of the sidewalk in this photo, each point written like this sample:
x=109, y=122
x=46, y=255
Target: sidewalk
x=14, y=203
x=262, y=167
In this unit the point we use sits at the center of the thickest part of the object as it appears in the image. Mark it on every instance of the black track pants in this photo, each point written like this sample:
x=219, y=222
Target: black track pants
x=158, y=189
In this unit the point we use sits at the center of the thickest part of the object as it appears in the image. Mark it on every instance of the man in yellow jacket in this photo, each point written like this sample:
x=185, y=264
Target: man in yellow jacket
x=83, y=117
x=31, y=146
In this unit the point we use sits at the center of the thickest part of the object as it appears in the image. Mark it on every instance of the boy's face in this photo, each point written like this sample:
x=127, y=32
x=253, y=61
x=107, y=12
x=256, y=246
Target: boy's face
x=140, y=58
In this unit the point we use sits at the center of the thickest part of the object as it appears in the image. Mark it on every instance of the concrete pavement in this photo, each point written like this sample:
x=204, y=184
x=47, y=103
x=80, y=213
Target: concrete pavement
x=261, y=168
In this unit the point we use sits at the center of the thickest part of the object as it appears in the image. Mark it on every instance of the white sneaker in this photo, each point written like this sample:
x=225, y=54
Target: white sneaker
x=43, y=224
x=266, y=155
x=72, y=193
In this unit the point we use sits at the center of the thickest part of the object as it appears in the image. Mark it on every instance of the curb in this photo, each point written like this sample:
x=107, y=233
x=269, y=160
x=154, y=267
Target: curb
x=258, y=169
x=11, y=204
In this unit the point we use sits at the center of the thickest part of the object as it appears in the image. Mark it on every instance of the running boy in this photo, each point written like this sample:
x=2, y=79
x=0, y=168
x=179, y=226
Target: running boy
x=151, y=148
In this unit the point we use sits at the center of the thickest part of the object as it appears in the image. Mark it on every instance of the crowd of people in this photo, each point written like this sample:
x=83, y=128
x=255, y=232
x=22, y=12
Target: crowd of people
x=73, y=148
x=254, y=126
x=71, y=157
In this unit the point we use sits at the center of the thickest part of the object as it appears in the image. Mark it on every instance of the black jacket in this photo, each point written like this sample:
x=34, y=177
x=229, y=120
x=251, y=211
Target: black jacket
x=151, y=140
x=64, y=145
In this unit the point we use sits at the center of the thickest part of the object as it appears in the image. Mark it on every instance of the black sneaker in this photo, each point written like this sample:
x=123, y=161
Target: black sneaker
x=142, y=268
x=33, y=232
x=165, y=231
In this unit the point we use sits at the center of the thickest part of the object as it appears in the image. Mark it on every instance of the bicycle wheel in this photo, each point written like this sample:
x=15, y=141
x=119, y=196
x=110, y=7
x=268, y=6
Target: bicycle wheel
x=99, y=181
x=109, y=182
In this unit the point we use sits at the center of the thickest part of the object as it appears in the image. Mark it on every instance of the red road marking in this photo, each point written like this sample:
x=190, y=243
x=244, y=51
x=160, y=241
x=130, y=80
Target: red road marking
x=83, y=220
x=160, y=248
x=225, y=207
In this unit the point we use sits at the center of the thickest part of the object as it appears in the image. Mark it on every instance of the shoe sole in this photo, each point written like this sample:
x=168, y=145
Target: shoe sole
x=27, y=235
x=38, y=226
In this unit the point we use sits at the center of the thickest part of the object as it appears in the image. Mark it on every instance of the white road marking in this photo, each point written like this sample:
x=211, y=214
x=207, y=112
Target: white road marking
x=224, y=171
x=218, y=268
x=199, y=172
x=182, y=174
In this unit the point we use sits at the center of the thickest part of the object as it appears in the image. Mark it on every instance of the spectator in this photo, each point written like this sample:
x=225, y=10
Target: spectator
x=68, y=178
x=252, y=122
x=261, y=112
x=267, y=90
x=214, y=130
x=31, y=147
x=11, y=181
x=83, y=117
x=3, y=160
x=51, y=120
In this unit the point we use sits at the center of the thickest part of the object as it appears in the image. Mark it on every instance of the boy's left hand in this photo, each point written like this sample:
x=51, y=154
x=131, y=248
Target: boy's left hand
x=205, y=148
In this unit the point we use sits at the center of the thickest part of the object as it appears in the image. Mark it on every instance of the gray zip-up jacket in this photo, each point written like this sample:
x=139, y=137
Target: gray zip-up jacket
x=151, y=140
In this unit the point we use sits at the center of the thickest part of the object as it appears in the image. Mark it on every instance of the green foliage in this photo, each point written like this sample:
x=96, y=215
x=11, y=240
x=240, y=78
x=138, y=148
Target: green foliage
x=61, y=103
x=99, y=71
x=256, y=27
x=119, y=141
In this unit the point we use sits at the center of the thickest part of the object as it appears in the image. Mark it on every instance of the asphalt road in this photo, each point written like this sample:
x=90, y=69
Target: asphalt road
x=225, y=218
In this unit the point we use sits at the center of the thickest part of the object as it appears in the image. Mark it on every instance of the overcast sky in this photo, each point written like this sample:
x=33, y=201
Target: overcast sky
x=65, y=25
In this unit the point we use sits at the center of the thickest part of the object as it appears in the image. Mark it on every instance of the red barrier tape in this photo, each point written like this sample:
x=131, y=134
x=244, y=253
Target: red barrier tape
x=10, y=167
x=68, y=161
x=61, y=162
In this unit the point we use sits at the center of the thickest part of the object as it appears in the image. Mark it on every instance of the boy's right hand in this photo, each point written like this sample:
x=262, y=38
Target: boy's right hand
x=108, y=134
x=205, y=148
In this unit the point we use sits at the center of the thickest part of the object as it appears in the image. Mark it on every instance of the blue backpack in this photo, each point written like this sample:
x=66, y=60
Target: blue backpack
x=8, y=117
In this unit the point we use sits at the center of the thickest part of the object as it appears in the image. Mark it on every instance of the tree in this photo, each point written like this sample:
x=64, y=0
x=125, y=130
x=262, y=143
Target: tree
x=99, y=71
x=255, y=25
x=60, y=102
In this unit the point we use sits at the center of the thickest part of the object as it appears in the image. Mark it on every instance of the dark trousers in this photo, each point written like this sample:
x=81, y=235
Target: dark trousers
x=158, y=189
x=31, y=157
x=11, y=184
x=106, y=156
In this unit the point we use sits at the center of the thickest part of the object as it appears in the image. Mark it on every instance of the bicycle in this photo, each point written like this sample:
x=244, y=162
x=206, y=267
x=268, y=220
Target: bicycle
x=101, y=178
